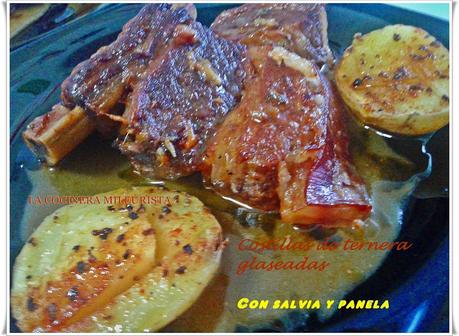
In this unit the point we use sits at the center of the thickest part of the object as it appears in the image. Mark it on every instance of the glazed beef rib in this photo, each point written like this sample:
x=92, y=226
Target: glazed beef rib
x=104, y=80
x=282, y=146
x=181, y=100
x=97, y=90
x=300, y=28
x=285, y=145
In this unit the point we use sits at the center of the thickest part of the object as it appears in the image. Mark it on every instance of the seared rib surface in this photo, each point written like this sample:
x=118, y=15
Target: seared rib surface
x=285, y=145
x=301, y=28
x=182, y=99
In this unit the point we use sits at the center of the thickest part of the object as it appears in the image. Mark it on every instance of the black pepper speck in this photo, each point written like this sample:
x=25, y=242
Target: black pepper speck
x=165, y=210
x=52, y=311
x=32, y=241
x=357, y=82
x=127, y=254
x=400, y=73
x=31, y=306
x=180, y=270
x=187, y=249
x=73, y=293
x=103, y=234
x=80, y=267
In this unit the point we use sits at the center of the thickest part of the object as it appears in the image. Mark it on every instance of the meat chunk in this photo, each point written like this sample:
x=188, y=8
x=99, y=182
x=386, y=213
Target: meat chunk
x=97, y=90
x=301, y=28
x=181, y=100
x=101, y=82
x=326, y=190
x=285, y=145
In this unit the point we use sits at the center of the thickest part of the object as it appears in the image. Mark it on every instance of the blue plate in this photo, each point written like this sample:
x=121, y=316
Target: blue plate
x=416, y=282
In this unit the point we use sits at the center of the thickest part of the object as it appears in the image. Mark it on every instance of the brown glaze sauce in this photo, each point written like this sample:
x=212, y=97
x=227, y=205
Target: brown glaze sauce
x=95, y=168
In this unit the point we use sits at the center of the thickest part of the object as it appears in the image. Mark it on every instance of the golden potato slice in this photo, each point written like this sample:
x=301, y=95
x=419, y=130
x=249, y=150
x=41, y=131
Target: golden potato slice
x=396, y=79
x=75, y=262
x=102, y=268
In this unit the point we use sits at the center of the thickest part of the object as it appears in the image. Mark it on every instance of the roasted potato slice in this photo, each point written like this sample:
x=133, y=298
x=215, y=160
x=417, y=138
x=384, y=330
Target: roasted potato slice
x=125, y=267
x=396, y=79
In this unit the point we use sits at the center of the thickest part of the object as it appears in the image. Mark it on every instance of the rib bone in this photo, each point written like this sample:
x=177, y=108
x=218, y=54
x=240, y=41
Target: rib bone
x=53, y=135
